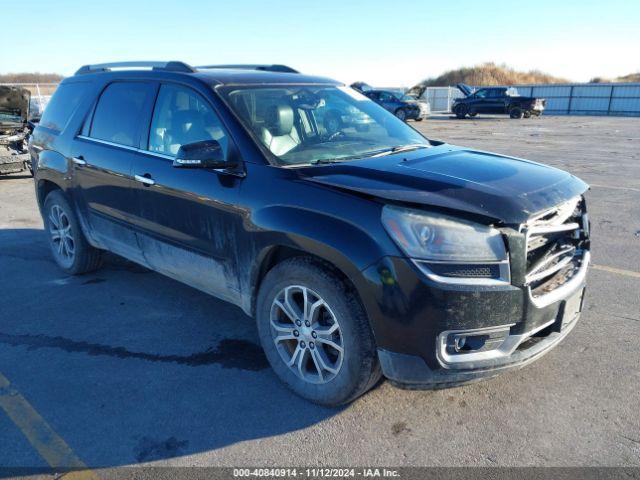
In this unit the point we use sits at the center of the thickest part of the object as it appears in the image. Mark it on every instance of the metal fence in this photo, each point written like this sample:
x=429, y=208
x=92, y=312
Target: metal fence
x=620, y=99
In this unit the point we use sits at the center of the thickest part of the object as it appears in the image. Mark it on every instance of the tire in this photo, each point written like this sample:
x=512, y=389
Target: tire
x=461, y=111
x=401, y=114
x=515, y=112
x=526, y=114
x=70, y=250
x=350, y=373
x=473, y=114
x=419, y=119
x=332, y=122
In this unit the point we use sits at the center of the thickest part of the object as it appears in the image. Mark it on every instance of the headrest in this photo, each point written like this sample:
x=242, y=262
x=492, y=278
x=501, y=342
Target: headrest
x=279, y=119
x=181, y=118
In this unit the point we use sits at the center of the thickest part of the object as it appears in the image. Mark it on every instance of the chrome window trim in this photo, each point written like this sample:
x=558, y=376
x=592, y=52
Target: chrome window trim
x=127, y=147
x=107, y=142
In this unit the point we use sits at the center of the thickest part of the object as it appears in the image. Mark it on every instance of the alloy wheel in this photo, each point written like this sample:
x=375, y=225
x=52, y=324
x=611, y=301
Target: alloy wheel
x=62, y=240
x=306, y=334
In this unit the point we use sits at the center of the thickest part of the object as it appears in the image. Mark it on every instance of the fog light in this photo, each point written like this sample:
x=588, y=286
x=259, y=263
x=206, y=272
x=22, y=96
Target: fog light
x=464, y=348
x=469, y=343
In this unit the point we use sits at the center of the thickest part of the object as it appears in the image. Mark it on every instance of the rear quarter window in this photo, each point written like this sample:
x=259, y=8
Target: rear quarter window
x=64, y=102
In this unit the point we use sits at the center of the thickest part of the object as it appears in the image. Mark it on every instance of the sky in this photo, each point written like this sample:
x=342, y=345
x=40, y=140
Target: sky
x=381, y=42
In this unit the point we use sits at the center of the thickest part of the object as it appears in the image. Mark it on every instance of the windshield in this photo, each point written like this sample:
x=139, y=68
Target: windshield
x=303, y=125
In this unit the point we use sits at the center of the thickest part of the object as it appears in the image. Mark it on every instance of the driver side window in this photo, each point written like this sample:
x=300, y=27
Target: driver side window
x=181, y=116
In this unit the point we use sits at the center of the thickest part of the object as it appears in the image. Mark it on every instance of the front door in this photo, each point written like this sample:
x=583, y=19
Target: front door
x=187, y=218
x=102, y=158
x=480, y=103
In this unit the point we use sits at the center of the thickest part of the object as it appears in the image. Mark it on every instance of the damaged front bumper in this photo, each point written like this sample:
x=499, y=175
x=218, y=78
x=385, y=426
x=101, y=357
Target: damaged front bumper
x=459, y=336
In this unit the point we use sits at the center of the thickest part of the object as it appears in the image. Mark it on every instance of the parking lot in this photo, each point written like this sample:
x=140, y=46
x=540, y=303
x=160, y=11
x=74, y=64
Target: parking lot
x=127, y=366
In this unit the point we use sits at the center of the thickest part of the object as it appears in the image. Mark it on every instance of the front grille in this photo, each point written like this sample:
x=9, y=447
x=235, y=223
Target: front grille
x=556, y=242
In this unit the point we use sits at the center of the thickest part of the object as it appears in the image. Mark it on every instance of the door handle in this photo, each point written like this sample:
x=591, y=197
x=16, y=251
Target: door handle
x=79, y=161
x=146, y=179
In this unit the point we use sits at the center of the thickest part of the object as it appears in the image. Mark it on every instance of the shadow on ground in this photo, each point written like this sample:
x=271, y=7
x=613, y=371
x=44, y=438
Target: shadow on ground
x=129, y=366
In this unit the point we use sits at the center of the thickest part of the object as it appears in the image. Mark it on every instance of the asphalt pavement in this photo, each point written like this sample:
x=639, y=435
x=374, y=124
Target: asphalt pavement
x=124, y=366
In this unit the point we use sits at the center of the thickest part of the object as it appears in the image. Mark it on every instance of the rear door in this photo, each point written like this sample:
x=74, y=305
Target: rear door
x=103, y=155
x=496, y=100
x=187, y=219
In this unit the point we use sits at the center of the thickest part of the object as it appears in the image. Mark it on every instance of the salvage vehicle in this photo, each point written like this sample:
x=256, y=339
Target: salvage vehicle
x=14, y=129
x=402, y=106
x=500, y=100
x=360, y=254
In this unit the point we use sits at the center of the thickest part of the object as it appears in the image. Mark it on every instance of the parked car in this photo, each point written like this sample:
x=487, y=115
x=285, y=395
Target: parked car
x=496, y=100
x=405, y=107
x=361, y=86
x=14, y=129
x=360, y=254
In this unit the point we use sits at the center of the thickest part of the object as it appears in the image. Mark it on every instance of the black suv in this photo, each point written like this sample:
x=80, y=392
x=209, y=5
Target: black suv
x=360, y=252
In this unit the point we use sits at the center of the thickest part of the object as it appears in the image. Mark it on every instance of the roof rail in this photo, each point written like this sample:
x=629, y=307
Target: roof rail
x=172, y=66
x=265, y=68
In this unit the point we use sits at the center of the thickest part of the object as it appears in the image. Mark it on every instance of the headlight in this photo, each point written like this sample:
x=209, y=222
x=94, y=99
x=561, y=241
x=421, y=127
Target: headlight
x=440, y=238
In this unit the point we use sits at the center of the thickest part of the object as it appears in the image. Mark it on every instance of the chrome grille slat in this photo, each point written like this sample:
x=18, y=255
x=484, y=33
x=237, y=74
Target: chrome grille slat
x=537, y=271
x=533, y=277
x=553, y=245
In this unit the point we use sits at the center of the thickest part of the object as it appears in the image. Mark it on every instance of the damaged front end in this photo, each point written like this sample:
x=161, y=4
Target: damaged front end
x=14, y=129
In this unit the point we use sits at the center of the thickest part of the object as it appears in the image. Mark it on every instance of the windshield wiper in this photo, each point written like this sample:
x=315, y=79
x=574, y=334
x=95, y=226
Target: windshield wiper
x=323, y=161
x=401, y=148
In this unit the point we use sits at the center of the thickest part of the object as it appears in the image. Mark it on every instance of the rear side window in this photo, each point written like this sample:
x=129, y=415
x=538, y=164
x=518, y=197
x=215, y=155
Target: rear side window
x=64, y=102
x=119, y=111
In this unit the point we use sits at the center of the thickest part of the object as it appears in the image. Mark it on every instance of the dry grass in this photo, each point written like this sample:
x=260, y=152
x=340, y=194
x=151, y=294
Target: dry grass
x=30, y=78
x=632, y=77
x=490, y=74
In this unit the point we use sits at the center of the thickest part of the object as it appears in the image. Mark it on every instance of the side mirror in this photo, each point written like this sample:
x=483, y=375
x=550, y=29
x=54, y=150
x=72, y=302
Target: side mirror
x=204, y=154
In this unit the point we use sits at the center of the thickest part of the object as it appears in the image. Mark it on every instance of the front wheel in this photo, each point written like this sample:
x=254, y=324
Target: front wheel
x=315, y=333
x=516, y=112
x=527, y=114
x=401, y=114
x=69, y=248
x=461, y=111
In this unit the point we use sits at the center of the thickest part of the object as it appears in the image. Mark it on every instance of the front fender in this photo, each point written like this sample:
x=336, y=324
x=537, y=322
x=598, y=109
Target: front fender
x=347, y=246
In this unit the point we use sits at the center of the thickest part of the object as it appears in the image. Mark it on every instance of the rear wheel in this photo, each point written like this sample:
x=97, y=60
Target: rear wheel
x=401, y=114
x=516, y=112
x=315, y=333
x=527, y=114
x=69, y=248
x=461, y=111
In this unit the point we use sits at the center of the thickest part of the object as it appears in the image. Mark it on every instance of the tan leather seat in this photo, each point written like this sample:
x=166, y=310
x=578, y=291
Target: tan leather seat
x=280, y=134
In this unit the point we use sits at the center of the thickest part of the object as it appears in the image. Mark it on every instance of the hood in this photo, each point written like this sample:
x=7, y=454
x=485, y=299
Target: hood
x=506, y=189
x=465, y=89
x=14, y=106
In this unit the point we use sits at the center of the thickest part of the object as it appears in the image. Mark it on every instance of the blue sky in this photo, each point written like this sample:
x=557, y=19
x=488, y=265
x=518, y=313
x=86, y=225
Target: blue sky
x=382, y=42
